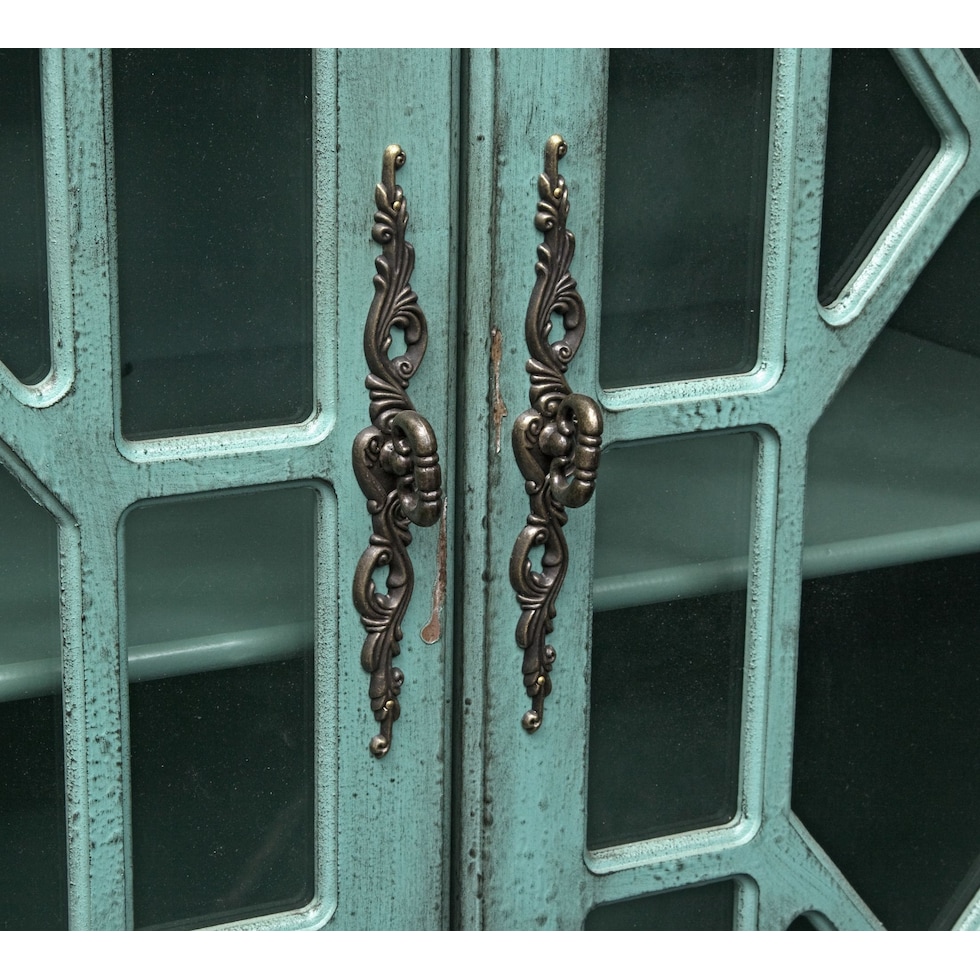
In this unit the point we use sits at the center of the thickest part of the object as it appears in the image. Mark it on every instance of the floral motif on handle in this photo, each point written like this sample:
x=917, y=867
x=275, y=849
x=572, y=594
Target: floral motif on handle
x=395, y=458
x=557, y=441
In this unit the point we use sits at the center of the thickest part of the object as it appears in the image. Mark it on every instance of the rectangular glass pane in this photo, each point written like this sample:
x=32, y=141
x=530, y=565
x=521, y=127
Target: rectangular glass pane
x=214, y=209
x=219, y=628
x=33, y=866
x=672, y=540
x=686, y=161
x=25, y=340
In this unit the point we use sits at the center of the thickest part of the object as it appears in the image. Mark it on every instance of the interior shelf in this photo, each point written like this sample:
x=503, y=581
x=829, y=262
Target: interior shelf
x=213, y=582
x=894, y=473
x=893, y=478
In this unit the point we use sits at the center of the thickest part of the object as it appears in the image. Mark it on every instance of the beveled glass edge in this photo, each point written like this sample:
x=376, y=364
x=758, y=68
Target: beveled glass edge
x=897, y=244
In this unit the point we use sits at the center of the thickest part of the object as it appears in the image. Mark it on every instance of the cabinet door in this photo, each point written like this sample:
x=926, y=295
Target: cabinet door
x=761, y=697
x=183, y=700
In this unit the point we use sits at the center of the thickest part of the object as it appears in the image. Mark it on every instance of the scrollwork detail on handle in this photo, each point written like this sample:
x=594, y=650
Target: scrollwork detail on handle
x=557, y=441
x=395, y=459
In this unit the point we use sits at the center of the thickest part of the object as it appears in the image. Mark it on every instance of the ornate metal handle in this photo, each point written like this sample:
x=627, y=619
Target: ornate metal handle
x=395, y=458
x=557, y=441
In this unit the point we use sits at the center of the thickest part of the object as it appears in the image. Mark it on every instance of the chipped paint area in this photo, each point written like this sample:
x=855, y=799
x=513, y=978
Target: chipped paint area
x=432, y=631
x=499, y=408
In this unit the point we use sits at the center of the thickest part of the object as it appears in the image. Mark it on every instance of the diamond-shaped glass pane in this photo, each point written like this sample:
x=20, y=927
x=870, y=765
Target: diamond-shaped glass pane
x=880, y=140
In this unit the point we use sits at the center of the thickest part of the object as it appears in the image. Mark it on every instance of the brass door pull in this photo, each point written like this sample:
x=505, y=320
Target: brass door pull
x=557, y=441
x=395, y=458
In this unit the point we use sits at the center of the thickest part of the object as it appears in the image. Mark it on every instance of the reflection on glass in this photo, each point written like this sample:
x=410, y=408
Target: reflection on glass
x=672, y=541
x=702, y=907
x=219, y=624
x=880, y=140
x=34, y=868
x=886, y=771
x=213, y=185
x=686, y=158
x=25, y=340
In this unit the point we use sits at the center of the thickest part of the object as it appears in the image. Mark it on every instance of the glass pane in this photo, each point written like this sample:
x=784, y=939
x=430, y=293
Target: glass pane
x=703, y=907
x=213, y=164
x=25, y=340
x=668, y=636
x=686, y=160
x=886, y=773
x=34, y=867
x=219, y=614
x=880, y=140
x=801, y=924
x=972, y=56
x=895, y=459
x=887, y=768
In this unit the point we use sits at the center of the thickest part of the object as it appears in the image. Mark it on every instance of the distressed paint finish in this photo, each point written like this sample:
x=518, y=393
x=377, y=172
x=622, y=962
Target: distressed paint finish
x=517, y=823
x=522, y=820
x=381, y=831
x=521, y=855
x=394, y=838
x=480, y=417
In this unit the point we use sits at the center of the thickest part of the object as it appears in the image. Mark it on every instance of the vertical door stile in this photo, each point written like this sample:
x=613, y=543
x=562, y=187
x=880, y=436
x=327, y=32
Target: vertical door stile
x=393, y=811
x=38, y=424
x=482, y=419
x=790, y=416
x=792, y=875
x=533, y=805
x=326, y=398
x=93, y=477
x=327, y=583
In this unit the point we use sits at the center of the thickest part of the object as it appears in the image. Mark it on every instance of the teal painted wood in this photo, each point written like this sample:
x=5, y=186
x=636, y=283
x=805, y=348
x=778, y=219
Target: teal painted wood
x=481, y=418
x=522, y=859
x=382, y=828
x=522, y=819
x=394, y=811
x=513, y=828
